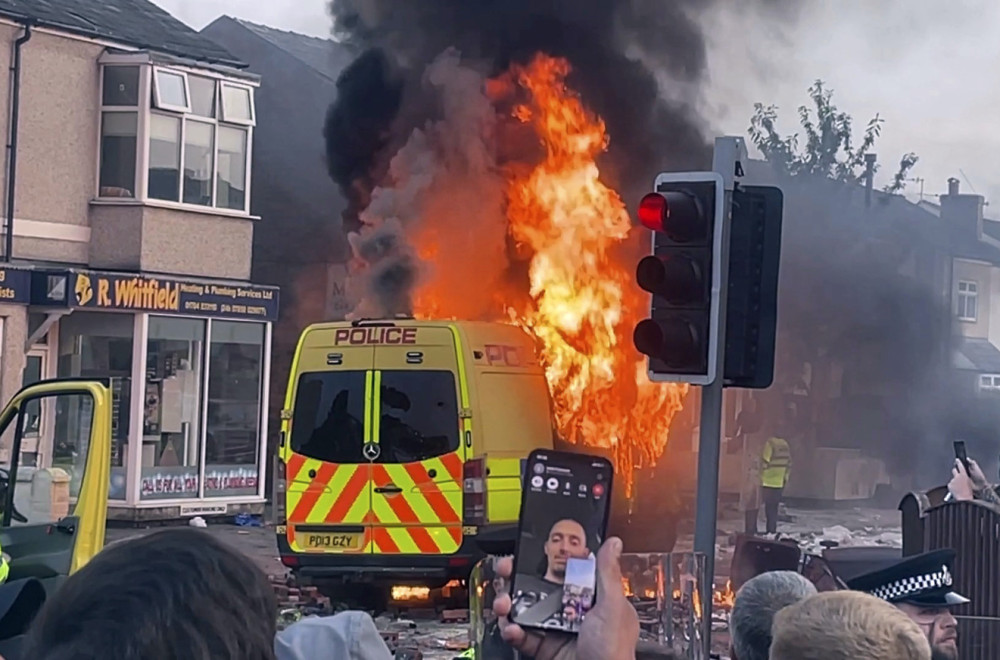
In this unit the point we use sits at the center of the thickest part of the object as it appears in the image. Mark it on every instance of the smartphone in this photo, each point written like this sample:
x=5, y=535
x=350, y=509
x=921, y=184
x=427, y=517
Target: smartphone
x=565, y=505
x=961, y=455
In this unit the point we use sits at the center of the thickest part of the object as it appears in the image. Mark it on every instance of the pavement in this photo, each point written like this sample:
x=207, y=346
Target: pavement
x=437, y=641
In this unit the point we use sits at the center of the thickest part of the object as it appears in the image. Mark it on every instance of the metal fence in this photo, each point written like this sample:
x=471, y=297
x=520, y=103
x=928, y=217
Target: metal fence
x=972, y=529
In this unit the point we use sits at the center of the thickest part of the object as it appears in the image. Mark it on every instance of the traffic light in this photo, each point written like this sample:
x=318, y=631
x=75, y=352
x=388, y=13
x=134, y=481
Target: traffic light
x=686, y=215
x=752, y=296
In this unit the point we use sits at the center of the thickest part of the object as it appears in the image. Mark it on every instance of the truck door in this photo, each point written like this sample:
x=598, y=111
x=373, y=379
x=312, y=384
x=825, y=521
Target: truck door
x=53, y=520
x=417, y=476
x=327, y=466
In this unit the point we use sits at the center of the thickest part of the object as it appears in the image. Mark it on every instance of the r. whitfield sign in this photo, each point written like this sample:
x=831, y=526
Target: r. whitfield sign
x=146, y=293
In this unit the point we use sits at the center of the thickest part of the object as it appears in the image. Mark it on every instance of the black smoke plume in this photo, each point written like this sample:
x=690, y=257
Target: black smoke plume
x=389, y=103
x=617, y=48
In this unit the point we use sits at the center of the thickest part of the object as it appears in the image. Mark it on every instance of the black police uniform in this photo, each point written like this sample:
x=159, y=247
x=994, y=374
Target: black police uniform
x=924, y=580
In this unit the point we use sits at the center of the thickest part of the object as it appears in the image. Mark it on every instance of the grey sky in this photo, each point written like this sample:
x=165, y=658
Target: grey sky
x=930, y=73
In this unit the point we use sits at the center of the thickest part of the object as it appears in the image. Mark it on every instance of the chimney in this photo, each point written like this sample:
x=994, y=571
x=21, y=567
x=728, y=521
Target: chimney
x=963, y=213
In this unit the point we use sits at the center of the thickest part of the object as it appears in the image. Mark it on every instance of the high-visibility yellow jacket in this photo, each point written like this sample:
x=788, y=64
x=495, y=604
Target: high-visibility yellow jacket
x=777, y=463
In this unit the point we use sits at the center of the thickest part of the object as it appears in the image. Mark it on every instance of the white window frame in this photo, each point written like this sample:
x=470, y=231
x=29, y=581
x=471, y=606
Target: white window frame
x=965, y=291
x=989, y=383
x=170, y=107
x=222, y=104
x=149, y=103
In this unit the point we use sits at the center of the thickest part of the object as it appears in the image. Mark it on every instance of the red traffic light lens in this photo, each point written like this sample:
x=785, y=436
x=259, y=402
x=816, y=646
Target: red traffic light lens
x=676, y=213
x=653, y=211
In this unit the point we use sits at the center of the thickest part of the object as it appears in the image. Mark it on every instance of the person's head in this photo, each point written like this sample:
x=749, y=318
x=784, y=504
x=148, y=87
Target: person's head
x=756, y=603
x=921, y=586
x=940, y=626
x=178, y=593
x=846, y=625
x=567, y=538
x=344, y=636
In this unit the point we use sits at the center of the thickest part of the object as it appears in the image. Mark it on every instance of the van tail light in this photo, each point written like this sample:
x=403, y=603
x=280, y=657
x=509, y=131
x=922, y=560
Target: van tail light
x=474, y=492
x=290, y=561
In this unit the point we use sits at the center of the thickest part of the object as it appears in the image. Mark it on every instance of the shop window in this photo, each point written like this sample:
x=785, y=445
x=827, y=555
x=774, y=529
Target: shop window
x=171, y=421
x=235, y=371
x=419, y=416
x=99, y=345
x=328, y=419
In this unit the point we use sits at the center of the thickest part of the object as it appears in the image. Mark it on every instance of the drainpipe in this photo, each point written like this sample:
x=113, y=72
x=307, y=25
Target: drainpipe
x=15, y=106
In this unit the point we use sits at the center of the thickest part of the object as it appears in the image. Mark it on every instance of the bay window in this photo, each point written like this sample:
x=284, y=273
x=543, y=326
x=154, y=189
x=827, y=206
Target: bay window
x=174, y=135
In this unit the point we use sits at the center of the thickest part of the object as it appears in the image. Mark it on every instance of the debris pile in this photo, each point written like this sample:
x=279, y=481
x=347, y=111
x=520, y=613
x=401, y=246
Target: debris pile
x=839, y=536
x=295, y=602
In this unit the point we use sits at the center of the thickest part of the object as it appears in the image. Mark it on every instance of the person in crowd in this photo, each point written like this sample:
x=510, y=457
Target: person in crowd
x=344, y=636
x=972, y=484
x=178, y=593
x=846, y=625
x=748, y=441
x=921, y=587
x=776, y=465
x=610, y=631
x=756, y=603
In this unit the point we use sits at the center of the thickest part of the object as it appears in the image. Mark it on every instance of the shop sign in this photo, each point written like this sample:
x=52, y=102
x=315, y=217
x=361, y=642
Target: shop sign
x=204, y=509
x=121, y=291
x=15, y=285
x=167, y=483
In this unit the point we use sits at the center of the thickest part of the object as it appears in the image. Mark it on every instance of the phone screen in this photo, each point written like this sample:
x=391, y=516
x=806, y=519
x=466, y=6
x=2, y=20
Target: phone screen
x=960, y=453
x=564, y=516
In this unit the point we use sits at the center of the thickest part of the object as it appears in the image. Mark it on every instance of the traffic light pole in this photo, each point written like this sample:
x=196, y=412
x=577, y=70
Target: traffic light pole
x=730, y=153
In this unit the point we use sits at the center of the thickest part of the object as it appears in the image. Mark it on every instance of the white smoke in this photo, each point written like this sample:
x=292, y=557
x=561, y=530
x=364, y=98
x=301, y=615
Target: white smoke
x=443, y=192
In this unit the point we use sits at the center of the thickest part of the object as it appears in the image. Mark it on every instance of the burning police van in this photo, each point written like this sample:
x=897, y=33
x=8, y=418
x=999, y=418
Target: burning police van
x=403, y=442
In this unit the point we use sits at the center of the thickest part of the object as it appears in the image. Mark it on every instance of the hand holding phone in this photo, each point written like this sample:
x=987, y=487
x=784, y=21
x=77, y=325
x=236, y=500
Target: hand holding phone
x=565, y=506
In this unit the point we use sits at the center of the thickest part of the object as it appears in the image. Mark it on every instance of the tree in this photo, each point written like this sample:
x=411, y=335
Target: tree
x=828, y=148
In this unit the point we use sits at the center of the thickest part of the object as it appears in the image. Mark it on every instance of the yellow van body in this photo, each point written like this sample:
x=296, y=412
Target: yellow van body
x=381, y=422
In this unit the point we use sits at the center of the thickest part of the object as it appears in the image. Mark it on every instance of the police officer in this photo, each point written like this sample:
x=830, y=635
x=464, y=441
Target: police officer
x=921, y=586
x=776, y=464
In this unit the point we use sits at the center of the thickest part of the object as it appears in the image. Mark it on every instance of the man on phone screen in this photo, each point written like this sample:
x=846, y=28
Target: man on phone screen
x=566, y=539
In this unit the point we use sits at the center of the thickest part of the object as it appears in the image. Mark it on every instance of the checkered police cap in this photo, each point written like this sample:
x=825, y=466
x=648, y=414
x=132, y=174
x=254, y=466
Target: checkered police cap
x=914, y=585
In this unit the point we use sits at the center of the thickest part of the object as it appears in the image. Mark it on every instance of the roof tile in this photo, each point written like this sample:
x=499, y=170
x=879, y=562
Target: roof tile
x=138, y=23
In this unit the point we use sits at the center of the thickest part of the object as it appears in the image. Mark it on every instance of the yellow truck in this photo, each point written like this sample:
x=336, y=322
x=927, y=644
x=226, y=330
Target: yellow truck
x=402, y=445
x=53, y=519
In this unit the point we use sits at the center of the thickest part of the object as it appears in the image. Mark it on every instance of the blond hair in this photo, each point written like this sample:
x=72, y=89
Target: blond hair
x=846, y=625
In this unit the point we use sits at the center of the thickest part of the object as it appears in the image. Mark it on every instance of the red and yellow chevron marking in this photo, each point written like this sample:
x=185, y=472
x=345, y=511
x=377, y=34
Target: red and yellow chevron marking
x=425, y=518
x=337, y=494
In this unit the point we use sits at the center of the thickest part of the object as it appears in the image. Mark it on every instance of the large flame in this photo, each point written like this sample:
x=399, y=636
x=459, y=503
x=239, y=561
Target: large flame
x=583, y=304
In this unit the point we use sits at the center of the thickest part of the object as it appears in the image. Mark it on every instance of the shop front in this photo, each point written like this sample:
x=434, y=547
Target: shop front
x=189, y=364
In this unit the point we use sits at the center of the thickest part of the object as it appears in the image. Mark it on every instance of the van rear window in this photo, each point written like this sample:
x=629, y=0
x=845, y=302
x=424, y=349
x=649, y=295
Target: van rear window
x=328, y=417
x=419, y=416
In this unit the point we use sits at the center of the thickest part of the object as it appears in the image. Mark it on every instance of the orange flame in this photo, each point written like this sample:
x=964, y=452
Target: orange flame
x=583, y=304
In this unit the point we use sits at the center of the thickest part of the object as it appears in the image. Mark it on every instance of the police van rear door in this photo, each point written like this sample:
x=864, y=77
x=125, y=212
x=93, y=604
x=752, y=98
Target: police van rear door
x=327, y=444
x=417, y=476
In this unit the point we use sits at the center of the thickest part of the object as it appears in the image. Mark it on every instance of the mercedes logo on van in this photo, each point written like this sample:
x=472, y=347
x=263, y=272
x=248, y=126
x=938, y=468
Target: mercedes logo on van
x=371, y=451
